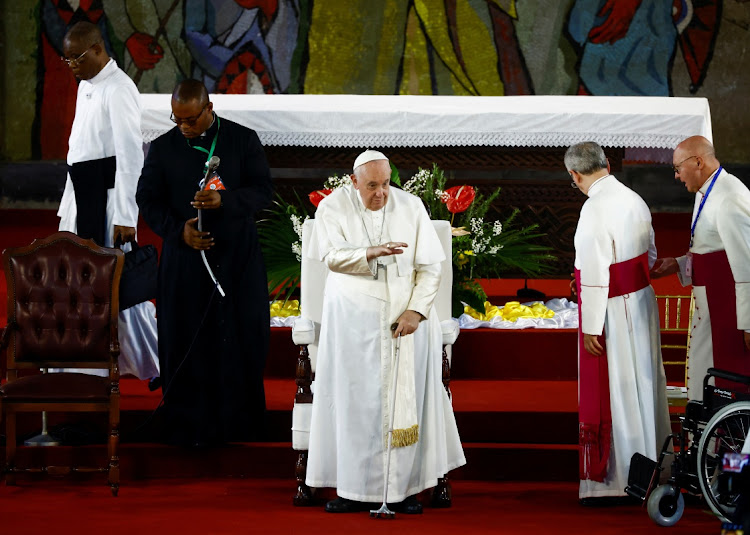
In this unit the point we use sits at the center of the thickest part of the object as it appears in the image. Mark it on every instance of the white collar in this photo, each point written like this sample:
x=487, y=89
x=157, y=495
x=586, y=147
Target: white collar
x=597, y=181
x=704, y=187
x=107, y=71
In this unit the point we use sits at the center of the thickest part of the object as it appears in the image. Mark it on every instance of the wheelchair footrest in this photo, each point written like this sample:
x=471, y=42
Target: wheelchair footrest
x=641, y=477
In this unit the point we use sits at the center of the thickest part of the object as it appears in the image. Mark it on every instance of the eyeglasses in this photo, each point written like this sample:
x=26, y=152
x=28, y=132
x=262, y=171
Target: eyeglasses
x=190, y=121
x=676, y=168
x=76, y=61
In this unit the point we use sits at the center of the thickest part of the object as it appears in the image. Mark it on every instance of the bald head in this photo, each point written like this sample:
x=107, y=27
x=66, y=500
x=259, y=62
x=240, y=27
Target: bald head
x=697, y=145
x=694, y=162
x=190, y=90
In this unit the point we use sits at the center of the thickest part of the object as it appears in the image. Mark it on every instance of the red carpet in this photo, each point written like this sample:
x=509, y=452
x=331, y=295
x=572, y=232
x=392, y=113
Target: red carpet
x=211, y=506
x=515, y=399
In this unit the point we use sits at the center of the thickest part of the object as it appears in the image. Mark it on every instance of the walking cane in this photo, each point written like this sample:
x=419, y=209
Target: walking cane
x=384, y=512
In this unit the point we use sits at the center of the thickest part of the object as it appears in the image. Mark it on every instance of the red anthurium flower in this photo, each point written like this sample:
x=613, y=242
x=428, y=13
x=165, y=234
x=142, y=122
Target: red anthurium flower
x=459, y=198
x=317, y=196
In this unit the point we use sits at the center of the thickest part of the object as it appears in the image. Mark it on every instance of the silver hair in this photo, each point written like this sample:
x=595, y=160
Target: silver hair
x=585, y=158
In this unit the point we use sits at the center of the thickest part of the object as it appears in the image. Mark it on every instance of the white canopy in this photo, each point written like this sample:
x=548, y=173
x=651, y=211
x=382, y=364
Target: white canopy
x=436, y=121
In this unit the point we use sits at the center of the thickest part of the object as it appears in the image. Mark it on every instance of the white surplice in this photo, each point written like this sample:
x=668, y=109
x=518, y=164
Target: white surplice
x=615, y=226
x=351, y=407
x=723, y=225
x=108, y=123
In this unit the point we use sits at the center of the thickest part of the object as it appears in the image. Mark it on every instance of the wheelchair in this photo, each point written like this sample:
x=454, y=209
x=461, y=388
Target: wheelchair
x=710, y=429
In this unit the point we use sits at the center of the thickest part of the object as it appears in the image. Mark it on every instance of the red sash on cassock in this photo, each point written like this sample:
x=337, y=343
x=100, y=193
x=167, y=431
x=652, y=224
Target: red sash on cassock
x=712, y=270
x=594, y=414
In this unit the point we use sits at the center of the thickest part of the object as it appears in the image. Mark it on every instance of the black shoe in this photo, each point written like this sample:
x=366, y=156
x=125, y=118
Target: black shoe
x=410, y=506
x=154, y=383
x=343, y=505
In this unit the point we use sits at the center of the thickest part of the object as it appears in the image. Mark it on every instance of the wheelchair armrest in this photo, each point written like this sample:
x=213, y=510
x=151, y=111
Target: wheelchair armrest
x=303, y=331
x=723, y=374
x=450, y=330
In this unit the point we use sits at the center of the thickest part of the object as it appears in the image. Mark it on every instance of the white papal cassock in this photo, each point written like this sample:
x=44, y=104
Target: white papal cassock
x=351, y=407
x=723, y=225
x=615, y=226
x=108, y=123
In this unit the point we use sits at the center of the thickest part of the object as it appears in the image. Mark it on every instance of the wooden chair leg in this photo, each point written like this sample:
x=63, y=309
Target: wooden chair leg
x=446, y=372
x=10, y=447
x=303, y=497
x=442, y=496
x=303, y=379
x=113, y=477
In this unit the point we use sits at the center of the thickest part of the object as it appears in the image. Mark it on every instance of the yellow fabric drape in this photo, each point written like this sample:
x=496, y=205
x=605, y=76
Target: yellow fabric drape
x=512, y=311
x=280, y=309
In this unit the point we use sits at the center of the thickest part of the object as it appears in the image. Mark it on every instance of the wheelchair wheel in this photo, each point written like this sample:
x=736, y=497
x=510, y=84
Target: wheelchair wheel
x=724, y=433
x=666, y=505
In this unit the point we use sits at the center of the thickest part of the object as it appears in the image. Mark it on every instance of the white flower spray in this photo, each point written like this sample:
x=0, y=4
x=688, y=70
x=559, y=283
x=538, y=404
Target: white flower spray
x=417, y=184
x=335, y=181
x=297, y=223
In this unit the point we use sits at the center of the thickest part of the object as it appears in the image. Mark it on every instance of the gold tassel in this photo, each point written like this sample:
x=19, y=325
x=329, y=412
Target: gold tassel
x=405, y=437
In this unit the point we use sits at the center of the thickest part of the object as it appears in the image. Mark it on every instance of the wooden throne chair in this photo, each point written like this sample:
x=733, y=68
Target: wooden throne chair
x=63, y=297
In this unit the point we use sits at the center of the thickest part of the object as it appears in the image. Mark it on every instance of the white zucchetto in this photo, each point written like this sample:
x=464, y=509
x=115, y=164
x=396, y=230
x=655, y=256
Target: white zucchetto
x=368, y=156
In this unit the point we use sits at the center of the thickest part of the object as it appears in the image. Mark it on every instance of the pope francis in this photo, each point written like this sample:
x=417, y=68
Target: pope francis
x=384, y=259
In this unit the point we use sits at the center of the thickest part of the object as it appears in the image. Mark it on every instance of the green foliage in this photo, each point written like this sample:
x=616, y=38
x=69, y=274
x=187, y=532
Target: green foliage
x=282, y=246
x=481, y=249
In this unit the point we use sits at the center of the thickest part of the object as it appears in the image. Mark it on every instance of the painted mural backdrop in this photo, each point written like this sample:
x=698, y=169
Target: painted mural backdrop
x=447, y=47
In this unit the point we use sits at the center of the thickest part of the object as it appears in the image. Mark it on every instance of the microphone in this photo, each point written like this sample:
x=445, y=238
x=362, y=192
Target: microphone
x=211, y=166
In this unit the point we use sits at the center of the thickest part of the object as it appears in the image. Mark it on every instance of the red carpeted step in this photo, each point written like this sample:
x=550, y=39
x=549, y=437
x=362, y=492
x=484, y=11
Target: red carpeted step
x=232, y=506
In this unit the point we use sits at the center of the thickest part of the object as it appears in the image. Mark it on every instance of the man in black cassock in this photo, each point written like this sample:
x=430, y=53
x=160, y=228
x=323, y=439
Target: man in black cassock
x=212, y=348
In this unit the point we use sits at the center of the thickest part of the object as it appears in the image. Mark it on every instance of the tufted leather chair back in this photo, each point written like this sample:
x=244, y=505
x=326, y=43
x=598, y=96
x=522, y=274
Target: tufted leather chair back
x=62, y=303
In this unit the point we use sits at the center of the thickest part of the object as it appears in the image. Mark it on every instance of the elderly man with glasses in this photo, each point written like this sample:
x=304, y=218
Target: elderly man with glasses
x=215, y=333
x=105, y=157
x=717, y=264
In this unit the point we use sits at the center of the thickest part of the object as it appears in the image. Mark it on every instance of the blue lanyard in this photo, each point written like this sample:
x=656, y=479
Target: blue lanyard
x=700, y=208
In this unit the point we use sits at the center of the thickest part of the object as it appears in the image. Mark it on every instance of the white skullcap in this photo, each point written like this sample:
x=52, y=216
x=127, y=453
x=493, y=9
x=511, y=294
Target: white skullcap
x=368, y=156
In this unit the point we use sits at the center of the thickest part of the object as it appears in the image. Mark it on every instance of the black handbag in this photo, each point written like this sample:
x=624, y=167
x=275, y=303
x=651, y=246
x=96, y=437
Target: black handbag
x=138, y=282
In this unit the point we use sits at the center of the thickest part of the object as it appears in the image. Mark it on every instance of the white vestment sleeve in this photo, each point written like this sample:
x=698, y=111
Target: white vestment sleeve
x=124, y=108
x=332, y=246
x=733, y=225
x=351, y=260
x=425, y=289
x=593, y=257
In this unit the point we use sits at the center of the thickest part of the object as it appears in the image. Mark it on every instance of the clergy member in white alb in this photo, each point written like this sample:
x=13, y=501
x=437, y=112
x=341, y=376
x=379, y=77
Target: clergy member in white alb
x=717, y=265
x=384, y=259
x=622, y=386
x=105, y=158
